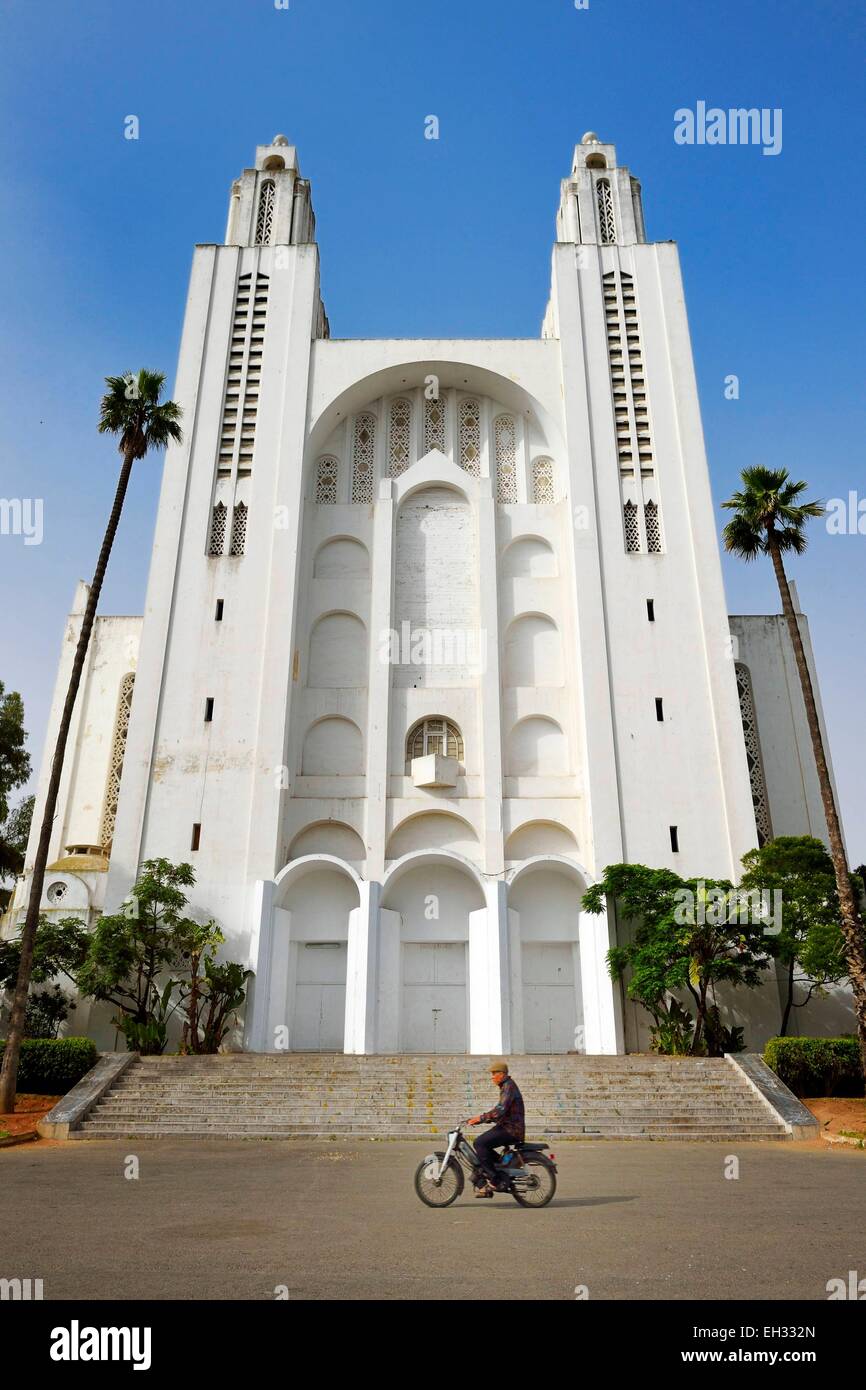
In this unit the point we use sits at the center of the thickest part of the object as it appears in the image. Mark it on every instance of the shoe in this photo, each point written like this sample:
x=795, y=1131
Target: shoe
x=485, y=1191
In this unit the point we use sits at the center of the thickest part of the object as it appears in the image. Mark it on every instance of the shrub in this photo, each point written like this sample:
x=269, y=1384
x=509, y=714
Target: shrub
x=52, y=1066
x=817, y=1066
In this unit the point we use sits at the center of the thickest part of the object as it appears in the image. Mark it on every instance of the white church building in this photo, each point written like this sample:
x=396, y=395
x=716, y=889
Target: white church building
x=435, y=630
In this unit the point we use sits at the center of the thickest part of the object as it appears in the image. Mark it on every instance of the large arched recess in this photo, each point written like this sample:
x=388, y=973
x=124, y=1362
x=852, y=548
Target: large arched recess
x=544, y=900
x=405, y=370
x=429, y=899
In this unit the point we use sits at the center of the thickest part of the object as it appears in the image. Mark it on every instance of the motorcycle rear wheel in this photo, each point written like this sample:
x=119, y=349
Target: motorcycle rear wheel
x=545, y=1182
x=444, y=1192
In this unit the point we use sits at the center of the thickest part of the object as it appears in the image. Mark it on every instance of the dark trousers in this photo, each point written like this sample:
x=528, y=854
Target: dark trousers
x=487, y=1142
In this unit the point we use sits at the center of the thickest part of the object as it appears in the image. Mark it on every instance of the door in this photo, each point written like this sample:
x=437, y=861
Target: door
x=319, y=1020
x=434, y=997
x=549, y=1001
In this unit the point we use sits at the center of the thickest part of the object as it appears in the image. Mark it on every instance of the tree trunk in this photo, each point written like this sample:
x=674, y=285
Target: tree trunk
x=789, y=1002
x=852, y=927
x=9, y=1074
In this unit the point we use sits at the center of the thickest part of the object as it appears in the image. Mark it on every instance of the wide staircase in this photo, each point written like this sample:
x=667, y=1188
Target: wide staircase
x=329, y=1095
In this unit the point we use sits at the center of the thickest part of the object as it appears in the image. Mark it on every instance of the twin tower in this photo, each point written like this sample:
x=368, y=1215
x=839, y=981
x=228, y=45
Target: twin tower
x=434, y=631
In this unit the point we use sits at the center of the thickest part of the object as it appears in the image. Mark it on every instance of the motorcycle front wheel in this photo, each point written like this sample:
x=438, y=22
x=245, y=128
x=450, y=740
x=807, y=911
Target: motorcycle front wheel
x=541, y=1184
x=439, y=1193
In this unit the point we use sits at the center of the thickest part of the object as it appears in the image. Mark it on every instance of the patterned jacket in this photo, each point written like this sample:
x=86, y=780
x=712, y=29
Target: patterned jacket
x=509, y=1113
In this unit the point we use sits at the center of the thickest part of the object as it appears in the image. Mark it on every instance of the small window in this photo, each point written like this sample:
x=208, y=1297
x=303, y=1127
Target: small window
x=660, y=709
x=675, y=839
x=196, y=836
x=218, y=616
x=434, y=736
x=651, y=610
x=208, y=709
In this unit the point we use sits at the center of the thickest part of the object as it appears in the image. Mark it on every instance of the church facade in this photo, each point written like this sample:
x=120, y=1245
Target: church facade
x=434, y=631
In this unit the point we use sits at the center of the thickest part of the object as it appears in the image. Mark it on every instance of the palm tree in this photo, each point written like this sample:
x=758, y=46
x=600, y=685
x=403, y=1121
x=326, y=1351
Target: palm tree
x=131, y=409
x=770, y=520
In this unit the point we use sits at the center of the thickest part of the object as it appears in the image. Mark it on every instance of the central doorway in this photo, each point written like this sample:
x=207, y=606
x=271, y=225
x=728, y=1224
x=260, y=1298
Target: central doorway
x=434, y=996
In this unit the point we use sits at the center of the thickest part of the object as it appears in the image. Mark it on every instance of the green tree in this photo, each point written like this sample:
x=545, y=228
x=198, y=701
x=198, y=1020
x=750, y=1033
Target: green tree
x=770, y=519
x=688, y=936
x=14, y=771
x=131, y=951
x=132, y=410
x=800, y=869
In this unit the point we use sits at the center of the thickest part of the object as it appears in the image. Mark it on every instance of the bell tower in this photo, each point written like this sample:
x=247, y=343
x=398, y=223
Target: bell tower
x=270, y=204
x=600, y=204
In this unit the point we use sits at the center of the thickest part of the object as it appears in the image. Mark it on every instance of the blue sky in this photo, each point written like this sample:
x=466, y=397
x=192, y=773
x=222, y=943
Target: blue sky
x=428, y=238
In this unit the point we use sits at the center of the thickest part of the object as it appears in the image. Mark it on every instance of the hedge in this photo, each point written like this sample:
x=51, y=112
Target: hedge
x=51, y=1066
x=817, y=1066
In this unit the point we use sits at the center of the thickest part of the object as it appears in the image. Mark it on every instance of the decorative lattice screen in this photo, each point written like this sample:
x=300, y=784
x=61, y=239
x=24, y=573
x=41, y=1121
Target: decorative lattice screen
x=115, y=767
x=265, y=218
x=760, y=800
x=505, y=440
x=470, y=437
x=327, y=471
x=399, y=437
x=363, y=457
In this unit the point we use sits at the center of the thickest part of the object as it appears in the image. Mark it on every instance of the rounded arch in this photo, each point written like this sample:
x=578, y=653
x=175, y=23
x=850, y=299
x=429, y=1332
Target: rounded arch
x=529, y=557
x=572, y=867
x=338, y=651
x=273, y=162
x=312, y=863
x=328, y=838
x=333, y=747
x=341, y=555
x=595, y=161
x=540, y=837
x=428, y=830
x=405, y=372
x=421, y=857
x=537, y=747
x=533, y=651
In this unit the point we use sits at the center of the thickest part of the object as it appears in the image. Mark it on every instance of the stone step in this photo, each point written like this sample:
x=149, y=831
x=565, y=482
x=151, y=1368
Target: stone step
x=163, y=1130
x=332, y=1095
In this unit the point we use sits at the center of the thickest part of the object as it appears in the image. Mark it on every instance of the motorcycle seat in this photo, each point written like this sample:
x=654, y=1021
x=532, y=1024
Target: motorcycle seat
x=525, y=1147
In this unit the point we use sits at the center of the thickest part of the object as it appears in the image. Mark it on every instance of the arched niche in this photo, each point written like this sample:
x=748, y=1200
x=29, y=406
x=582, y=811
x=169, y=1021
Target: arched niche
x=540, y=837
x=533, y=652
x=329, y=837
x=537, y=747
x=529, y=557
x=338, y=652
x=341, y=555
x=333, y=747
x=433, y=830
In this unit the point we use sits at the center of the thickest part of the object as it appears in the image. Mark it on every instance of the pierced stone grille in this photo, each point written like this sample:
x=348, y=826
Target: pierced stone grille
x=327, y=471
x=115, y=768
x=505, y=437
x=363, y=458
x=265, y=219
x=760, y=800
x=399, y=437
x=239, y=530
x=632, y=530
x=435, y=736
x=653, y=529
x=542, y=481
x=217, y=539
x=434, y=425
x=470, y=437
x=606, y=223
